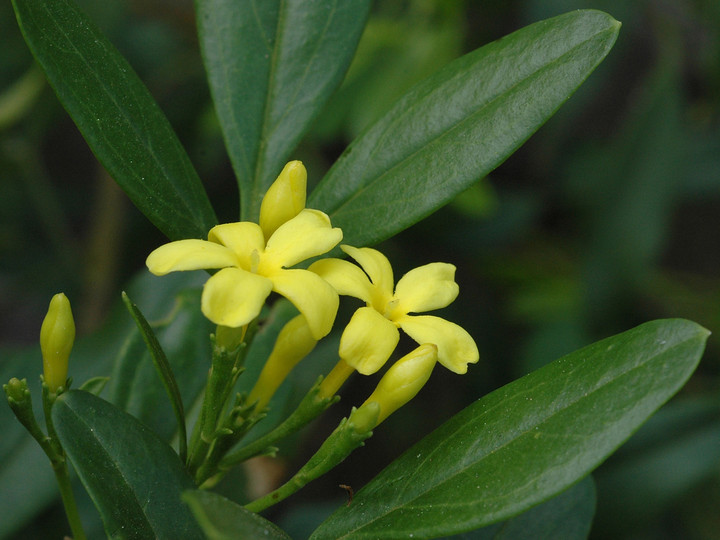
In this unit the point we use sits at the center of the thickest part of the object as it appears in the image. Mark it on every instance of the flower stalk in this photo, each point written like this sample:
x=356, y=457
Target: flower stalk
x=349, y=435
x=226, y=368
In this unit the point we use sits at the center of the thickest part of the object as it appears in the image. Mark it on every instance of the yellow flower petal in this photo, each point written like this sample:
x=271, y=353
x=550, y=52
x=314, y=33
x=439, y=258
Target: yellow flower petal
x=368, y=341
x=404, y=380
x=312, y=295
x=456, y=348
x=284, y=199
x=189, y=255
x=242, y=237
x=347, y=278
x=306, y=235
x=234, y=297
x=426, y=288
x=375, y=265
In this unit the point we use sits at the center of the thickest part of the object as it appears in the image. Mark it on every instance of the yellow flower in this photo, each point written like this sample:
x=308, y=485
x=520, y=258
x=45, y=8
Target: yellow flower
x=372, y=334
x=256, y=259
x=57, y=336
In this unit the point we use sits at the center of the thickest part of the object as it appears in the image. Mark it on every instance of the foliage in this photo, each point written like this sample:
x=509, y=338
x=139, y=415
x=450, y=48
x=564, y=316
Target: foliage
x=514, y=450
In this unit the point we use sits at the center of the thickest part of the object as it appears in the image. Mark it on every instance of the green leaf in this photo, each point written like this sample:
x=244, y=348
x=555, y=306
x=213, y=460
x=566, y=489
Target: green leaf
x=568, y=516
x=526, y=441
x=272, y=65
x=134, y=478
x=458, y=125
x=222, y=519
x=163, y=369
x=119, y=119
x=94, y=385
x=183, y=332
x=25, y=470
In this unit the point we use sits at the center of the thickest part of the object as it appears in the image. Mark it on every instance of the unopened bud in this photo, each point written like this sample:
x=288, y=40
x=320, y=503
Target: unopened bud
x=57, y=336
x=17, y=391
x=403, y=380
x=284, y=199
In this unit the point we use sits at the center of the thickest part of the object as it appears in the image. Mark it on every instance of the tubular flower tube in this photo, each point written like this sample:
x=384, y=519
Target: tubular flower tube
x=292, y=345
x=253, y=266
x=57, y=335
x=402, y=381
x=372, y=333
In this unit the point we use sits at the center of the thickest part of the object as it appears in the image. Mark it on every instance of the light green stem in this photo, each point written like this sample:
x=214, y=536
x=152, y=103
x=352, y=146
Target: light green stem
x=68, y=499
x=311, y=406
x=347, y=437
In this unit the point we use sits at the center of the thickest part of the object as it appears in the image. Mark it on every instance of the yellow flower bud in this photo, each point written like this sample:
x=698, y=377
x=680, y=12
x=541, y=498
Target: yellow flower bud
x=403, y=380
x=294, y=343
x=284, y=199
x=57, y=335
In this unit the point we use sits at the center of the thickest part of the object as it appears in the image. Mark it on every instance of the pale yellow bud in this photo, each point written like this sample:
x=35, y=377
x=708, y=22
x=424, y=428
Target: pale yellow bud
x=294, y=343
x=57, y=336
x=403, y=380
x=284, y=199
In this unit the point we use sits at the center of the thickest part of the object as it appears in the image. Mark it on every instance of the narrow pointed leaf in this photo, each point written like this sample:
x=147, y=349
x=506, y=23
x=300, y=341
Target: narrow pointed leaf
x=458, y=125
x=526, y=441
x=134, y=479
x=119, y=119
x=272, y=65
x=222, y=519
x=164, y=371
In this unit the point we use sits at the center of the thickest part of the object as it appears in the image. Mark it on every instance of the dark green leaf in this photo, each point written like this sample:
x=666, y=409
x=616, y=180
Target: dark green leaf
x=119, y=119
x=183, y=332
x=526, y=441
x=164, y=370
x=271, y=66
x=94, y=385
x=222, y=519
x=459, y=124
x=134, y=478
x=567, y=516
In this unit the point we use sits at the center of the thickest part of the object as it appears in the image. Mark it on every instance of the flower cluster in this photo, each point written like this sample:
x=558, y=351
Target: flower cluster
x=255, y=259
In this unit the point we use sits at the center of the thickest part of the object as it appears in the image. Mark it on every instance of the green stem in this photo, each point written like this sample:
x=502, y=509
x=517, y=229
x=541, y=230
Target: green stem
x=68, y=499
x=20, y=402
x=226, y=367
x=311, y=406
x=59, y=465
x=349, y=435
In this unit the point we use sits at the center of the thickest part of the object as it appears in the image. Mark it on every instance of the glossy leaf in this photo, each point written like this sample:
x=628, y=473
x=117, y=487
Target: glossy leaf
x=119, y=119
x=526, y=441
x=458, y=125
x=135, y=479
x=222, y=519
x=183, y=332
x=568, y=516
x=164, y=370
x=272, y=65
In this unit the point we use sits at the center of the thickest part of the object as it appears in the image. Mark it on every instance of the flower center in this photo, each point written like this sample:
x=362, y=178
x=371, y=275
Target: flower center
x=254, y=261
x=392, y=310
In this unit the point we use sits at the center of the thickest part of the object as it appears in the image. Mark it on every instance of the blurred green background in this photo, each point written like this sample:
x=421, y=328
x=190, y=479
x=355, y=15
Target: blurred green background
x=608, y=217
